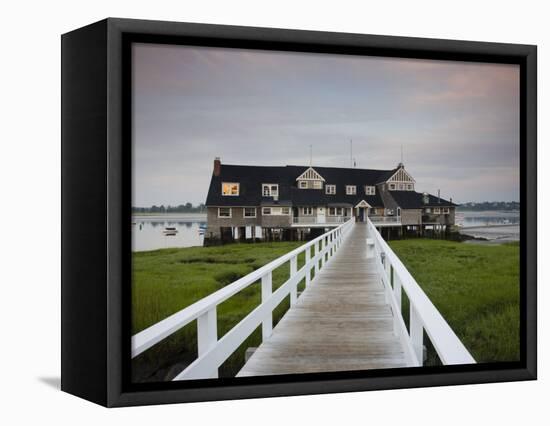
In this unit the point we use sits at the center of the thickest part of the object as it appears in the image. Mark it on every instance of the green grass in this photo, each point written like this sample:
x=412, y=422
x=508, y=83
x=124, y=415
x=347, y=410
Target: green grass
x=476, y=289
x=166, y=281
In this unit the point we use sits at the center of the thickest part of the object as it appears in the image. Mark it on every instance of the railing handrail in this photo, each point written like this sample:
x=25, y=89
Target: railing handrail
x=150, y=336
x=448, y=346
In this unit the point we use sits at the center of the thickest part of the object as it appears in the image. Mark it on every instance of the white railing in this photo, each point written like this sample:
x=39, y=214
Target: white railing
x=315, y=220
x=424, y=316
x=212, y=352
x=381, y=220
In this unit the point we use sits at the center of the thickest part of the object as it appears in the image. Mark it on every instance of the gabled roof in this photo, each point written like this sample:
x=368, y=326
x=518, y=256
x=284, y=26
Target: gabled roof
x=251, y=179
x=414, y=200
x=310, y=174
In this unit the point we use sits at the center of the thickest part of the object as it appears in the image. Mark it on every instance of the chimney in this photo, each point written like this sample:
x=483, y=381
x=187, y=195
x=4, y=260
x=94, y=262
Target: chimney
x=217, y=166
x=451, y=199
x=439, y=196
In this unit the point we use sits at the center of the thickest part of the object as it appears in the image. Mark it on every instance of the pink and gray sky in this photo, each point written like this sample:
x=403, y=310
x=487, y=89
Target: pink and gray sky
x=458, y=122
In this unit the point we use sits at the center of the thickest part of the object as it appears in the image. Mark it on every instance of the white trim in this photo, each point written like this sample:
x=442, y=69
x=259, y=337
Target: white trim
x=310, y=174
x=269, y=185
x=232, y=183
x=363, y=203
x=304, y=211
x=302, y=182
x=225, y=217
x=370, y=190
x=249, y=217
x=350, y=187
x=276, y=211
x=401, y=175
x=333, y=187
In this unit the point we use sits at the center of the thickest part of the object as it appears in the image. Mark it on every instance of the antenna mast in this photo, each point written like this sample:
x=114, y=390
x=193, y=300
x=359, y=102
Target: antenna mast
x=311, y=156
x=351, y=153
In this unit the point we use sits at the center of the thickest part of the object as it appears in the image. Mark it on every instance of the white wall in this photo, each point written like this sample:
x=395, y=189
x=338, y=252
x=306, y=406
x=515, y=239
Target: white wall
x=29, y=172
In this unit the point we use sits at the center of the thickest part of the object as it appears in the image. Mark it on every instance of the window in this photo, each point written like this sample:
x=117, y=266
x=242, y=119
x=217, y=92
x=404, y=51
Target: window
x=351, y=190
x=437, y=210
x=428, y=210
x=401, y=186
x=370, y=190
x=302, y=184
x=335, y=211
x=330, y=189
x=270, y=190
x=249, y=212
x=392, y=186
x=445, y=210
x=409, y=187
x=317, y=184
x=224, y=212
x=307, y=211
x=275, y=211
x=230, y=188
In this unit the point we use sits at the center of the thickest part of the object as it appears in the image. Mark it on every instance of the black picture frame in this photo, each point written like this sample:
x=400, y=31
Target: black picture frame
x=96, y=179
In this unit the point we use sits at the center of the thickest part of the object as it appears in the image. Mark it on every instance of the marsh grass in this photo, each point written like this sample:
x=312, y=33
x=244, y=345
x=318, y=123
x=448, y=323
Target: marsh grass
x=166, y=281
x=476, y=289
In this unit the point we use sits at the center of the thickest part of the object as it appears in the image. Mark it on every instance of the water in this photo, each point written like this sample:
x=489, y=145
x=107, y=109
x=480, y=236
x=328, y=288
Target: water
x=495, y=226
x=147, y=231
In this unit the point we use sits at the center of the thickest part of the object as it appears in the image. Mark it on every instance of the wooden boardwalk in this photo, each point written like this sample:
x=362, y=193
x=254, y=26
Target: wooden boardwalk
x=341, y=322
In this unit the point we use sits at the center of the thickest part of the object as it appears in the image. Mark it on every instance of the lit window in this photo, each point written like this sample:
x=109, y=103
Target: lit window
x=266, y=211
x=230, y=188
x=302, y=184
x=330, y=189
x=307, y=211
x=270, y=190
x=351, y=190
x=249, y=212
x=369, y=190
x=224, y=212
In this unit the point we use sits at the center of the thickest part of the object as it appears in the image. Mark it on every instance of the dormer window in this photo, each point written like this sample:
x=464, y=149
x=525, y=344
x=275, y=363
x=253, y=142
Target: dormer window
x=270, y=190
x=351, y=190
x=330, y=189
x=392, y=186
x=370, y=190
x=302, y=184
x=230, y=188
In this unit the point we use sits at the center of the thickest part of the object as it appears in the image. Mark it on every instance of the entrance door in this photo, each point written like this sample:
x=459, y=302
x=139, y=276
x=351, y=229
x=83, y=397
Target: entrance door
x=321, y=215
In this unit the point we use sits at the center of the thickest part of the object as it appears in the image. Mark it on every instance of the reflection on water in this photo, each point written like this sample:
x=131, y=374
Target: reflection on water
x=148, y=231
x=486, y=218
x=494, y=226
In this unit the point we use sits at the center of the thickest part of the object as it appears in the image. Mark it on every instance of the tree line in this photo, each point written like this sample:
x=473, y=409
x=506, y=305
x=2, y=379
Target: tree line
x=490, y=205
x=182, y=208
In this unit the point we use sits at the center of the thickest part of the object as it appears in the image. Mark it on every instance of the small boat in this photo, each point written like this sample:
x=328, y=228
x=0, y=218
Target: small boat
x=170, y=231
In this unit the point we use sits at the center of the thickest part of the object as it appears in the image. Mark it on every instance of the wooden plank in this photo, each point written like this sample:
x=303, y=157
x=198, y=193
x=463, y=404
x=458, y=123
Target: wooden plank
x=341, y=322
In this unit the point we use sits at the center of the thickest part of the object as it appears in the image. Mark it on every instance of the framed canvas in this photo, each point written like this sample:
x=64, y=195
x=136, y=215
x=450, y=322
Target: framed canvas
x=277, y=212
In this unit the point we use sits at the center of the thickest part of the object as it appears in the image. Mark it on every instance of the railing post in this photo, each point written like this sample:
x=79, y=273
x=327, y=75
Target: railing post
x=323, y=251
x=308, y=266
x=317, y=260
x=416, y=334
x=267, y=288
x=294, y=289
x=207, y=334
x=397, y=296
